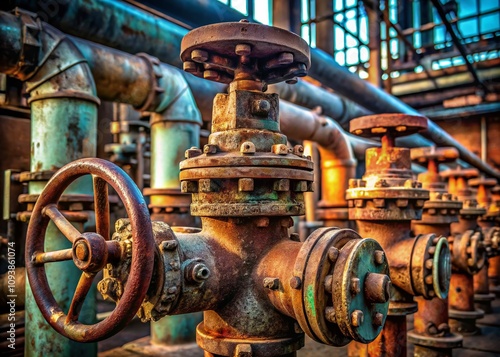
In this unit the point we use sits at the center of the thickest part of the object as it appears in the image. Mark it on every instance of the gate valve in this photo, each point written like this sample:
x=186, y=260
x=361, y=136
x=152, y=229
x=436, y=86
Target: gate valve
x=91, y=251
x=442, y=207
x=491, y=230
x=467, y=241
x=419, y=266
x=246, y=183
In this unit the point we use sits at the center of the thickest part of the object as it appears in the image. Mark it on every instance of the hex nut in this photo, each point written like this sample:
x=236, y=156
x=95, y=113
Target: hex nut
x=333, y=254
x=199, y=56
x=247, y=148
x=279, y=149
x=243, y=49
x=261, y=107
x=378, y=319
x=210, y=149
x=357, y=318
x=295, y=282
x=193, y=152
x=330, y=314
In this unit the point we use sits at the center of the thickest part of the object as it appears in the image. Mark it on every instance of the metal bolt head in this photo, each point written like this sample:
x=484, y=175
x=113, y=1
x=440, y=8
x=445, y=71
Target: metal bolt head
x=200, y=272
x=189, y=67
x=379, y=256
x=261, y=107
x=199, y=56
x=357, y=318
x=242, y=49
x=211, y=75
x=210, y=149
x=245, y=185
x=247, y=148
x=169, y=245
x=298, y=150
x=355, y=286
x=285, y=58
x=330, y=314
x=243, y=350
x=329, y=283
x=271, y=283
x=378, y=319
x=279, y=149
x=295, y=282
x=193, y=152
x=333, y=254
x=428, y=263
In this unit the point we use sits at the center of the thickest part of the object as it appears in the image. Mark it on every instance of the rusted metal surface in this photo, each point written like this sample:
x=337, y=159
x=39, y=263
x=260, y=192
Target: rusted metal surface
x=90, y=251
x=246, y=183
x=468, y=252
x=432, y=335
x=216, y=51
x=383, y=203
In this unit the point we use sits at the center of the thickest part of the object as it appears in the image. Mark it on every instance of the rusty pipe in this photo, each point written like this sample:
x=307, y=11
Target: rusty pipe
x=325, y=69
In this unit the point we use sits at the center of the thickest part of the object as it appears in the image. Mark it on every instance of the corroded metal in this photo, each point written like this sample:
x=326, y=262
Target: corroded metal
x=491, y=230
x=383, y=203
x=494, y=268
x=90, y=252
x=432, y=335
x=469, y=252
x=246, y=182
x=259, y=288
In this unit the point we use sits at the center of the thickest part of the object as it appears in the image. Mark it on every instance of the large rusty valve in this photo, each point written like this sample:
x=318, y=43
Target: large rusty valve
x=387, y=192
x=91, y=252
x=241, y=50
x=488, y=222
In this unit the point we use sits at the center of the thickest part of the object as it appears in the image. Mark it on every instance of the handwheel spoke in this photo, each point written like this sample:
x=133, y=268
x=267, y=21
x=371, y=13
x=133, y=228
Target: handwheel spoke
x=62, y=223
x=56, y=256
x=82, y=289
x=101, y=206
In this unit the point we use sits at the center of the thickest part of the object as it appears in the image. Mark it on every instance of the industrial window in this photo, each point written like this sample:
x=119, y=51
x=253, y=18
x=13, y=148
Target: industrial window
x=260, y=10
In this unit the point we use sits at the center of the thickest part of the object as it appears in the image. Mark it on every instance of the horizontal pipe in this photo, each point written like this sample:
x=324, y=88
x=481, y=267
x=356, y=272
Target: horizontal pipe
x=134, y=30
x=139, y=28
x=325, y=69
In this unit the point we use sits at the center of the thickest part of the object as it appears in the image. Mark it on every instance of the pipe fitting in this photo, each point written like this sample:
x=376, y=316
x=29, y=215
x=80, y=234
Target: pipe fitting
x=339, y=288
x=468, y=252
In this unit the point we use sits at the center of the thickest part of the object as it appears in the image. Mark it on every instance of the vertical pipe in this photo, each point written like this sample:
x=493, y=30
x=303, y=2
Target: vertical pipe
x=63, y=130
x=169, y=140
x=375, y=69
x=484, y=139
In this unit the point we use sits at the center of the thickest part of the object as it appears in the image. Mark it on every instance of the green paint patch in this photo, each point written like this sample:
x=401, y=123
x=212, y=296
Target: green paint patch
x=310, y=299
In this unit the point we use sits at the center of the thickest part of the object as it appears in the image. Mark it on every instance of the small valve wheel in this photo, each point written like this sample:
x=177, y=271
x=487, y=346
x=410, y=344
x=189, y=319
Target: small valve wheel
x=222, y=52
x=393, y=125
x=441, y=155
x=91, y=251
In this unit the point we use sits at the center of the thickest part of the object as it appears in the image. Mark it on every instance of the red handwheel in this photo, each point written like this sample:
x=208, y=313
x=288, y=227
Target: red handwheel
x=90, y=251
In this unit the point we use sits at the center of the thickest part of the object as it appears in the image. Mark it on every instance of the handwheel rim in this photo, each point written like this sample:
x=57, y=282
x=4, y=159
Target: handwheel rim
x=143, y=246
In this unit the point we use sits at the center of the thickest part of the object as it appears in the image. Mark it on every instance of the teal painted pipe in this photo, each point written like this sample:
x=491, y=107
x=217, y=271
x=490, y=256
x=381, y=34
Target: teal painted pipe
x=170, y=138
x=63, y=128
x=169, y=141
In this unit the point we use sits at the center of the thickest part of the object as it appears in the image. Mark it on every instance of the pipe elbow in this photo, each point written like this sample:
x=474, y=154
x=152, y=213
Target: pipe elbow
x=176, y=100
x=47, y=60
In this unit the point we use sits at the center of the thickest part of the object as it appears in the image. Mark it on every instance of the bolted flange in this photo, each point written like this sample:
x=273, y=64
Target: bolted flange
x=345, y=287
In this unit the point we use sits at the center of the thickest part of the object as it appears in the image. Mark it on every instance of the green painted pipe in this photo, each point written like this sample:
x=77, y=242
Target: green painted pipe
x=170, y=138
x=63, y=128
